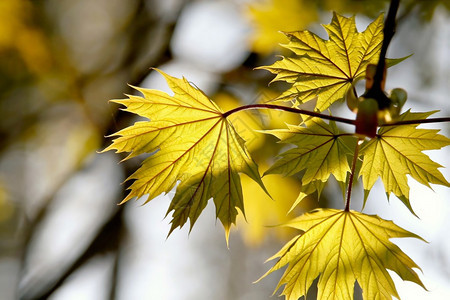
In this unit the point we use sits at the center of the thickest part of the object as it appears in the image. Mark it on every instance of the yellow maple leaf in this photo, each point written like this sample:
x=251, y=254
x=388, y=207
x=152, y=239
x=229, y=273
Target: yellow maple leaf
x=341, y=247
x=325, y=69
x=194, y=144
x=396, y=151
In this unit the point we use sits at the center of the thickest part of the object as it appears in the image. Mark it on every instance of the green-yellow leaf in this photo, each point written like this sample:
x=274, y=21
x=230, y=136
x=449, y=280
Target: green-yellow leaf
x=326, y=68
x=340, y=248
x=194, y=145
x=320, y=151
x=396, y=151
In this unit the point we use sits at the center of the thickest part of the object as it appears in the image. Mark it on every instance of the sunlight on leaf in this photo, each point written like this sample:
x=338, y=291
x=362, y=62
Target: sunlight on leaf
x=194, y=144
x=340, y=248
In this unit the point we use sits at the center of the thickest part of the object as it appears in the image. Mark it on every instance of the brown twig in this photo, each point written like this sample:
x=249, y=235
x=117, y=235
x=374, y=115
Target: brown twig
x=352, y=174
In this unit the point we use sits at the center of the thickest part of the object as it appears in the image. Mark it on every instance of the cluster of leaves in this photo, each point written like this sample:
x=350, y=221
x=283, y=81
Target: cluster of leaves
x=194, y=143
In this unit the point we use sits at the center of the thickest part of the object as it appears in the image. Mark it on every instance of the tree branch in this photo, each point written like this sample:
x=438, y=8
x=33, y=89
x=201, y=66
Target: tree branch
x=376, y=92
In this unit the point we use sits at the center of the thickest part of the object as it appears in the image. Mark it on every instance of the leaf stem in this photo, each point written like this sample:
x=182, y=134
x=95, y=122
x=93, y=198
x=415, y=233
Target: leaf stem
x=289, y=109
x=408, y=122
x=352, y=174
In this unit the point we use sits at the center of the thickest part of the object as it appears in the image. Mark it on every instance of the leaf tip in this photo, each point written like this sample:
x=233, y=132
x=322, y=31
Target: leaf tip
x=126, y=199
x=227, y=235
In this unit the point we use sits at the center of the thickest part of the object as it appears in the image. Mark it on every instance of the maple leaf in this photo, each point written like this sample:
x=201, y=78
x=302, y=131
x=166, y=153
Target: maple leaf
x=326, y=69
x=396, y=151
x=343, y=247
x=194, y=144
x=321, y=151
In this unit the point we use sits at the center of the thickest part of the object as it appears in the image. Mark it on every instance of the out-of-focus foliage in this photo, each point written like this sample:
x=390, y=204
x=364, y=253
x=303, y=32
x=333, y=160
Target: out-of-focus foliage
x=60, y=63
x=262, y=211
x=19, y=35
x=271, y=17
x=6, y=207
x=427, y=8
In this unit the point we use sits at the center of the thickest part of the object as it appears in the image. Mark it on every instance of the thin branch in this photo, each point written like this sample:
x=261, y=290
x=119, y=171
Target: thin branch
x=115, y=273
x=376, y=92
x=352, y=174
x=289, y=109
x=106, y=241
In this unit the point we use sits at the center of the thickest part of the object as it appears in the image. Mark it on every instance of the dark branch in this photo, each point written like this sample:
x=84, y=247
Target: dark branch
x=376, y=92
x=388, y=32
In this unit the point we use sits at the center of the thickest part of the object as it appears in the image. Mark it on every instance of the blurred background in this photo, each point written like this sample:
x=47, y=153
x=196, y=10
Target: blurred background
x=62, y=234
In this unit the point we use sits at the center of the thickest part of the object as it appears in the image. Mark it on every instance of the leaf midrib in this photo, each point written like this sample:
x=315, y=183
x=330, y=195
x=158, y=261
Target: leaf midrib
x=185, y=152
